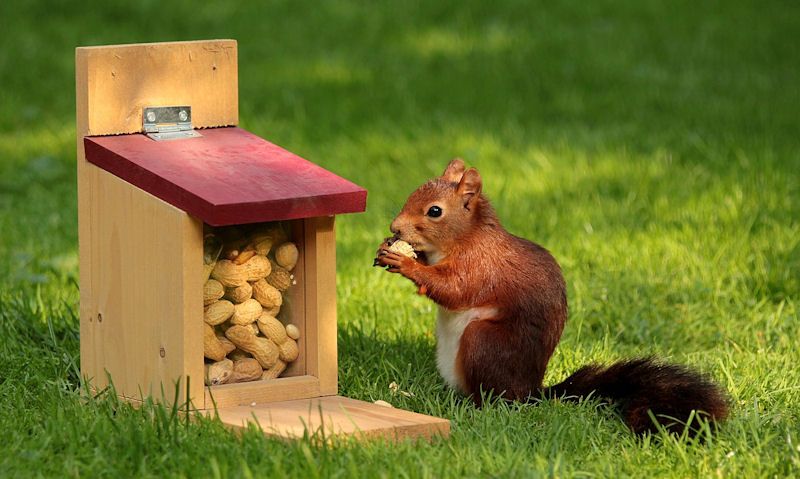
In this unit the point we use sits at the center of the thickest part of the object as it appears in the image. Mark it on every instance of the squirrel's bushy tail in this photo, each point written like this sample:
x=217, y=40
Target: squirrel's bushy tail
x=637, y=386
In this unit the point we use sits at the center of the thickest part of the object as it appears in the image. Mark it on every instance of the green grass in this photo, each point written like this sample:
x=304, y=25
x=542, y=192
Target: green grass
x=652, y=148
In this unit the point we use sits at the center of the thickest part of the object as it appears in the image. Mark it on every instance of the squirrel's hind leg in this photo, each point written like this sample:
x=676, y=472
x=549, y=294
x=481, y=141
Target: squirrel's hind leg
x=492, y=358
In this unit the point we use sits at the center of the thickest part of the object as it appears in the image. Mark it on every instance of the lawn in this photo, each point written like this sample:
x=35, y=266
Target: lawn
x=653, y=148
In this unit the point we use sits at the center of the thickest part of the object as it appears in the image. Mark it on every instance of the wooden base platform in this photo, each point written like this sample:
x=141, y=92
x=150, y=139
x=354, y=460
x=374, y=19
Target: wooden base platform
x=333, y=415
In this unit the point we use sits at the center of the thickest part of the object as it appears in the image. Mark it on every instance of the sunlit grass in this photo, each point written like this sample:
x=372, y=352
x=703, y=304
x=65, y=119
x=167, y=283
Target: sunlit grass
x=652, y=149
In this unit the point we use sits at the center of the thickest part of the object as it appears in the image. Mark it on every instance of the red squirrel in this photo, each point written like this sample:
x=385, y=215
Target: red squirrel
x=503, y=305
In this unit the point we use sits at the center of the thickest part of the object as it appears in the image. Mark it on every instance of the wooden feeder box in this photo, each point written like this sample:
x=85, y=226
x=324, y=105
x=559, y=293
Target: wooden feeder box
x=145, y=205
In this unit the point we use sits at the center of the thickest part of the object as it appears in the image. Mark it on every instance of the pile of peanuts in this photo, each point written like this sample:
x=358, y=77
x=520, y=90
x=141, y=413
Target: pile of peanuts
x=247, y=276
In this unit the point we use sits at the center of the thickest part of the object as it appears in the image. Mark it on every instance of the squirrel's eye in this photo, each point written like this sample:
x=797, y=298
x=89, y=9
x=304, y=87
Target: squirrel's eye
x=434, y=212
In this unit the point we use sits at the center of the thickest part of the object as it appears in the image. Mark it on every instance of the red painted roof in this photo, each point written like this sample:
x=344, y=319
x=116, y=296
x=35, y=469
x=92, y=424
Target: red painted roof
x=227, y=176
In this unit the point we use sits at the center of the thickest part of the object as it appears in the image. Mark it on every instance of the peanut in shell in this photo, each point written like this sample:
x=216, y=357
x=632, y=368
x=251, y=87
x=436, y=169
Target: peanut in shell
x=218, y=313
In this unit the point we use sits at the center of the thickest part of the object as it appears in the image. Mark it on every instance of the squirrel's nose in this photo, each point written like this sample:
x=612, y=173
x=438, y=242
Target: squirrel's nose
x=395, y=228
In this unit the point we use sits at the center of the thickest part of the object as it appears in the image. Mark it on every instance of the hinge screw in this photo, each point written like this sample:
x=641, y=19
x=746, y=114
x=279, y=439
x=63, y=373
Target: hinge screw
x=183, y=116
x=151, y=116
x=162, y=352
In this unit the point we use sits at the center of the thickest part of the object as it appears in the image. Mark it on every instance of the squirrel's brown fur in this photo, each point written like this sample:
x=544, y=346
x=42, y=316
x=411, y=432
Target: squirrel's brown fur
x=510, y=295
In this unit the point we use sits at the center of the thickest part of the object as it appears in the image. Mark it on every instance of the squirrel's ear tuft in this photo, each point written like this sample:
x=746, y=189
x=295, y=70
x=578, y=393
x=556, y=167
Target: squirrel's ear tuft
x=470, y=187
x=454, y=170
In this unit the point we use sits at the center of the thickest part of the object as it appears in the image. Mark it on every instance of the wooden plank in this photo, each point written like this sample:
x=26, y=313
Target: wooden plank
x=320, y=271
x=228, y=176
x=260, y=392
x=294, y=304
x=112, y=86
x=91, y=364
x=190, y=324
x=334, y=415
x=120, y=80
x=146, y=293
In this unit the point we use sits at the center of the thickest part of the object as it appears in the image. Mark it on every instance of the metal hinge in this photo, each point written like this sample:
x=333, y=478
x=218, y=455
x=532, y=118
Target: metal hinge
x=168, y=122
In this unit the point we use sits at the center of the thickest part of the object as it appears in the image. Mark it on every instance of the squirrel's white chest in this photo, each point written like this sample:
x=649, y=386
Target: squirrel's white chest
x=450, y=326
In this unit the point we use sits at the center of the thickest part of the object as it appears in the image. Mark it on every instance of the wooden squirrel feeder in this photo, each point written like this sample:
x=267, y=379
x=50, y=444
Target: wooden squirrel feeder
x=161, y=163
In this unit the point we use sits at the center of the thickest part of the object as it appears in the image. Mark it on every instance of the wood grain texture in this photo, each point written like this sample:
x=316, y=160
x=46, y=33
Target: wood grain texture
x=228, y=176
x=260, y=392
x=294, y=303
x=120, y=80
x=87, y=174
x=145, y=295
x=335, y=415
x=140, y=258
x=320, y=270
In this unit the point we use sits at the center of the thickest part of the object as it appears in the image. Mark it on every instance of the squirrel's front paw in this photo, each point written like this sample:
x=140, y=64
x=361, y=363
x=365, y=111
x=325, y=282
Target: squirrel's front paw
x=394, y=246
x=382, y=249
x=395, y=262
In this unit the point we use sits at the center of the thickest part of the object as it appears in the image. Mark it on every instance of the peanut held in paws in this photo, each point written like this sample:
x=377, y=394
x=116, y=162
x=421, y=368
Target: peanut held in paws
x=403, y=248
x=395, y=246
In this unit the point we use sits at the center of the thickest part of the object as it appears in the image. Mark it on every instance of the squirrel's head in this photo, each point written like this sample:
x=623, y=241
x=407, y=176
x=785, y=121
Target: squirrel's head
x=442, y=211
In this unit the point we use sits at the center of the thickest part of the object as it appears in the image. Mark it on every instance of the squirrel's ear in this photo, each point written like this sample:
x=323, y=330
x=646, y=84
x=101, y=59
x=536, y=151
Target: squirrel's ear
x=470, y=187
x=454, y=170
